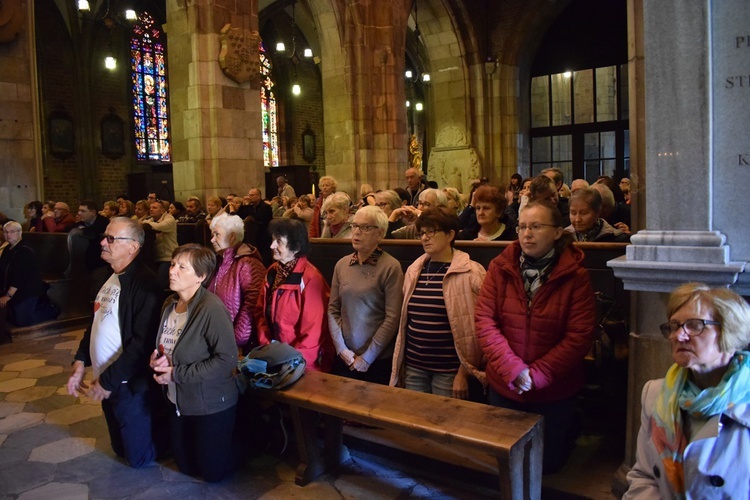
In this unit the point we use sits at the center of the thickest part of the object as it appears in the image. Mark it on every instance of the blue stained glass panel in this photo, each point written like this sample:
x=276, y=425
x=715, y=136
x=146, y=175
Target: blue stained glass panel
x=150, y=96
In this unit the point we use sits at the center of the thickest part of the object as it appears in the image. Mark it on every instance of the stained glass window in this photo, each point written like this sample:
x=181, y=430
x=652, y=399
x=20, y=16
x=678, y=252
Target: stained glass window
x=149, y=79
x=268, y=112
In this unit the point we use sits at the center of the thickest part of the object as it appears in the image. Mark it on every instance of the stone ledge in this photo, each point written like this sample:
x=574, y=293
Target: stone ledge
x=679, y=238
x=652, y=276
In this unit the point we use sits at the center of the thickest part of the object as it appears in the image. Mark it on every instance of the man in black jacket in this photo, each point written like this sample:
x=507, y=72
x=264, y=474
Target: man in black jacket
x=90, y=226
x=118, y=343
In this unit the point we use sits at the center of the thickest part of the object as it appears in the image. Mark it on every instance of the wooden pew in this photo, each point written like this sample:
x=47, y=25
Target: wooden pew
x=511, y=439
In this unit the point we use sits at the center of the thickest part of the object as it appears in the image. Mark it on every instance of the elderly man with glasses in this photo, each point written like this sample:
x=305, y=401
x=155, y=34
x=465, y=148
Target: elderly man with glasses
x=62, y=222
x=117, y=345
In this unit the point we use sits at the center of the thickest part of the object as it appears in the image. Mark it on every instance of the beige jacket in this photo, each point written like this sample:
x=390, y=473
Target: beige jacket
x=166, y=237
x=460, y=288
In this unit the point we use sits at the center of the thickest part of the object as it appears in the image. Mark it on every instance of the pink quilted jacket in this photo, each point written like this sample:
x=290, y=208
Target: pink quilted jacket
x=237, y=282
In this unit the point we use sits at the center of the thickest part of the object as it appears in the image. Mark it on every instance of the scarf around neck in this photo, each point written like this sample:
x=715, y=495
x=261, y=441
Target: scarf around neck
x=282, y=273
x=536, y=271
x=679, y=394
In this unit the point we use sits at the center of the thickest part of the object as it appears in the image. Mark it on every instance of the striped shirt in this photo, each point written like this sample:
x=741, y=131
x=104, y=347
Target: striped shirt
x=429, y=341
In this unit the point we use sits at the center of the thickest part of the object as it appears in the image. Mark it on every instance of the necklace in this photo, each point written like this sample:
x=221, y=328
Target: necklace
x=429, y=276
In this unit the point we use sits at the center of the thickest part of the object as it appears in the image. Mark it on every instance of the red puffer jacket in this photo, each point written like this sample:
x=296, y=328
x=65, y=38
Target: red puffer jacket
x=550, y=335
x=297, y=313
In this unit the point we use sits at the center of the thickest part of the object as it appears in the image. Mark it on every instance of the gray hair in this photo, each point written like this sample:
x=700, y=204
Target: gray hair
x=132, y=227
x=12, y=225
x=440, y=198
x=376, y=215
x=338, y=199
x=391, y=197
x=231, y=224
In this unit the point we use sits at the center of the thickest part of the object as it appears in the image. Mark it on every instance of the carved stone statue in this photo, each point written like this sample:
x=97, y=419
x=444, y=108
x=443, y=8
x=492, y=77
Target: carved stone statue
x=415, y=154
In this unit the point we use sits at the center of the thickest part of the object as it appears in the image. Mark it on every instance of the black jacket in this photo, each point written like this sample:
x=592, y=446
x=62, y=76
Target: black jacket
x=139, y=308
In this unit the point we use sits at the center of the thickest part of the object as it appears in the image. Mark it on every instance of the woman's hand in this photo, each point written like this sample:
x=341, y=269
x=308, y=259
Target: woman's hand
x=347, y=356
x=461, y=384
x=523, y=382
x=163, y=374
x=622, y=227
x=359, y=364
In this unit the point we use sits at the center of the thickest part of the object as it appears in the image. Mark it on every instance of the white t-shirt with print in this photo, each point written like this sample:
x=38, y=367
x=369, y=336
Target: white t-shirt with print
x=106, y=341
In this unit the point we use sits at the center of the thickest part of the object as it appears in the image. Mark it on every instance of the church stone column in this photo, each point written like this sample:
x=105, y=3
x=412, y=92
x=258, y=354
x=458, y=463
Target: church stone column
x=362, y=71
x=695, y=182
x=20, y=157
x=216, y=132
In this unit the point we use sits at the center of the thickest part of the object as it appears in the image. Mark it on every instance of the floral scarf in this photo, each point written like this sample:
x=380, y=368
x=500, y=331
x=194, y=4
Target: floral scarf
x=282, y=273
x=678, y=393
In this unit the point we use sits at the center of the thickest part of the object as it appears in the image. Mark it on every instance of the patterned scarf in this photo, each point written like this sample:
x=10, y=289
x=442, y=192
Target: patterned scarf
x=679, y=393
x=536, y=271
x=592, y=233
x=282, y=273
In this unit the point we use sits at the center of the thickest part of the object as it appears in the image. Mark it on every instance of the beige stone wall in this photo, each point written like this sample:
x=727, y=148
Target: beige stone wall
x=19, y=124
x=216, y=129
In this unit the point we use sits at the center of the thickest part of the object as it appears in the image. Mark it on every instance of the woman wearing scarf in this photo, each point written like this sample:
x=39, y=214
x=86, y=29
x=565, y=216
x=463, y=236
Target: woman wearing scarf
x=294, y=299
x=694, y=440
x=535, y=320
x=586, y=223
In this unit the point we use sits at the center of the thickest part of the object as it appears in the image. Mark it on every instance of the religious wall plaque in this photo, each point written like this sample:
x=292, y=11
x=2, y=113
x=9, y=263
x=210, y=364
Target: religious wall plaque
x=239, y=56
x=730, y=81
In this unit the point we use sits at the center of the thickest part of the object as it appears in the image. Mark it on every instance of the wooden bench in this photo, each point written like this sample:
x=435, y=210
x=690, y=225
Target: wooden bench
x=512, y=439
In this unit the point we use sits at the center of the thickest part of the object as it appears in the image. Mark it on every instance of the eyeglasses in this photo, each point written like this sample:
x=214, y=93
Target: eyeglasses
x=534, y=228
x=693, y=327
x=111, y=239
x=363, y=227
x=428, y=232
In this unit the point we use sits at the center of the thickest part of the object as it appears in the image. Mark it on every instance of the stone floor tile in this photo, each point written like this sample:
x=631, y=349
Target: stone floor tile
x=3, y=437
x=48, y=404
x=6, y=359
x=13, y=423
x=16, y=384
x=42, y=371
x=62, y=450
x=72, y=414
x=70, y=345
x=58, y=380
x=373, y=487
x=10, y=409
x=26, y=364
x=30, y=394
x=86, y=467
x=93, y=427
x=24, y=477
x=181, y=490
x=8, y=375
x=10, y=457
x=124, y=481
x=319, y=490
x=38, y=435
x=58, y=491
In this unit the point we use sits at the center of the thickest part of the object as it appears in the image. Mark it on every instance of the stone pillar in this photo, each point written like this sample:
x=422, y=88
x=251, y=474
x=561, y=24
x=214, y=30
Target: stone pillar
x=216, y=132
x=362, y=67
x=695, y=183
x=20, y=159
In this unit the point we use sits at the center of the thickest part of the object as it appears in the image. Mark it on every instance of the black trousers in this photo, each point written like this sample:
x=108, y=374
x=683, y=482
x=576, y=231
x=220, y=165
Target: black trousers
x=203, y=445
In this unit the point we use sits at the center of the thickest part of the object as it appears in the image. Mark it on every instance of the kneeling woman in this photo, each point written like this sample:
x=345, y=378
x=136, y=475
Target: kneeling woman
x=436, y=350
x=194, y=360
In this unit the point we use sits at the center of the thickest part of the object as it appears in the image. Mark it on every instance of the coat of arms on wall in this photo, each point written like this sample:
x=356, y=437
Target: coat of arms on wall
x=239, y=58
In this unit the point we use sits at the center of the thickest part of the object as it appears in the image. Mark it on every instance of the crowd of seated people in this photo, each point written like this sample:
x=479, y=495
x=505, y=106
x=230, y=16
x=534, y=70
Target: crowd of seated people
x=417, y=330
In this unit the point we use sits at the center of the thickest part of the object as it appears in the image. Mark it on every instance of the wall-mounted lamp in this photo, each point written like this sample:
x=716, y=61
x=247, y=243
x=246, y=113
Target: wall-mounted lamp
x=296, y=89
x=567, y=74
x=130, y=15
x=308, y=53
x=419, y=106
x=426, y=77
x=408, y=104
x=110, y=62
x=83, y=5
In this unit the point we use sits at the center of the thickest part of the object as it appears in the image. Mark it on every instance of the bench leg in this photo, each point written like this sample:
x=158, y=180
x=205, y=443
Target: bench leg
x=520, y=470
x=312, y=462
